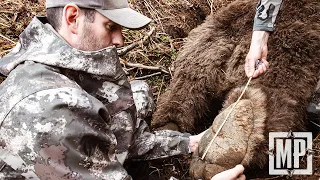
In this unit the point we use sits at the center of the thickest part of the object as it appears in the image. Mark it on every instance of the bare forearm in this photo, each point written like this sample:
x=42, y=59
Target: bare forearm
x=259, y=38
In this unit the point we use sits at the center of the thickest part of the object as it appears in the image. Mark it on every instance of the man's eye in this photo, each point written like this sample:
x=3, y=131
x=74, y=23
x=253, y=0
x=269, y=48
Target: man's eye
x=111, y=27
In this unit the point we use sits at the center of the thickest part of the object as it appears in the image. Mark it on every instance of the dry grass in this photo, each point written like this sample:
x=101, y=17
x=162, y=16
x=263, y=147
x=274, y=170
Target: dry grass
x=14, y=17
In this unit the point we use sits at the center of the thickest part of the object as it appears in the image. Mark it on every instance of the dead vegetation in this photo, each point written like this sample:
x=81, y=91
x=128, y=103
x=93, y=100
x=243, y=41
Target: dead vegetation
x=149, y=59
x=14, y=17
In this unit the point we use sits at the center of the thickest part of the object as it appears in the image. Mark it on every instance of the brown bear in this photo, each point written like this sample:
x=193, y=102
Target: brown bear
x=210, y=69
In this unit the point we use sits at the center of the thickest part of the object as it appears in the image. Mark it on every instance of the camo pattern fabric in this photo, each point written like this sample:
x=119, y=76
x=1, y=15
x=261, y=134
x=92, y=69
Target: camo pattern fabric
x=70, y=114
x=266, y=14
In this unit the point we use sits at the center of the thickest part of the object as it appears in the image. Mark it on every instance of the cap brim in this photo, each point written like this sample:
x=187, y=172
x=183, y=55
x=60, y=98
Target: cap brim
x=126, y=17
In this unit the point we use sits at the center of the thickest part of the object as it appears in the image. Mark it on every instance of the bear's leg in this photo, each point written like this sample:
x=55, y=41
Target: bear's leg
x=285, y=112
x=186, y=106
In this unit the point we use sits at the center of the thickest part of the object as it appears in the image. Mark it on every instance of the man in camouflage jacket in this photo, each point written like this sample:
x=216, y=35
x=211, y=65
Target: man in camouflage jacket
x=67, y=110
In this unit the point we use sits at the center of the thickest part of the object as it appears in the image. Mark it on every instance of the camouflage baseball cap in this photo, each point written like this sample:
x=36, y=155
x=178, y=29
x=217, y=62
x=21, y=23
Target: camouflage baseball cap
x=116, y=10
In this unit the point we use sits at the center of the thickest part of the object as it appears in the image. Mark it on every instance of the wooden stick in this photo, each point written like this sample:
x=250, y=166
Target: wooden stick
x=211, y=5
x=5, y=51
x=128, y=48
x=225, y=120
x=315, y=124
x=7, y=39
x=130, y=69
x=4, y=25
x=141, y=66
x=147, y=76
x=170, y=71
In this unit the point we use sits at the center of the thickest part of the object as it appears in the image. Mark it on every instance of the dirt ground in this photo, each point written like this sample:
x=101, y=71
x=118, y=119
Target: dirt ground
x=173, y=19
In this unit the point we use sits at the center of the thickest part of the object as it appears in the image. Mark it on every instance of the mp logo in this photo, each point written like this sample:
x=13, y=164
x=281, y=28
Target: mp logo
x=286, y=150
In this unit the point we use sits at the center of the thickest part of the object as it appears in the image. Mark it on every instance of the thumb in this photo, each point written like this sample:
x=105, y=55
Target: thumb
x=236, y=171
x=249, y=68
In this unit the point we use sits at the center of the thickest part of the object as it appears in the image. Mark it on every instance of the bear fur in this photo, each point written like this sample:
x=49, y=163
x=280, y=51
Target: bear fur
x=237, y=141
x=210, y=67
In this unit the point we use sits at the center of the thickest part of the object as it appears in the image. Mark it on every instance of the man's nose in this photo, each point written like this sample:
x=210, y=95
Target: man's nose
x=117, y=39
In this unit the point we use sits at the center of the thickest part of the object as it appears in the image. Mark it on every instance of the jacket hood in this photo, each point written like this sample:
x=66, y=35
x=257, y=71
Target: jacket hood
x=40, y=43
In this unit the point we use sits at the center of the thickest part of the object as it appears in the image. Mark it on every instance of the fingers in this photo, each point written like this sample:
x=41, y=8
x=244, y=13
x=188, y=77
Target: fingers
x=194, y=147
x=261, y=69
x=255, y=53
x=253, y=71
x=194, y=141
x=236, y=172
x=249, y=67
x=265, y=62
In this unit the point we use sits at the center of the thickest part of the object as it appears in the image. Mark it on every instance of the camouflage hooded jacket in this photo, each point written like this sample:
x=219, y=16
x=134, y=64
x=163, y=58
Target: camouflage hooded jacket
x=70, y=114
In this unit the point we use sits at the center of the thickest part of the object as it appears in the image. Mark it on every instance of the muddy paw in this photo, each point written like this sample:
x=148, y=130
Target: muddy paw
x=200, y=169
x=231, y=146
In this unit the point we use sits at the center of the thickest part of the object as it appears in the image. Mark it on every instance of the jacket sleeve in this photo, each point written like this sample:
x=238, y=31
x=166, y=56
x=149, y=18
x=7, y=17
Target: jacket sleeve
x=64, y=133
x=152, y=145
x=158, y=144
x=266, y=14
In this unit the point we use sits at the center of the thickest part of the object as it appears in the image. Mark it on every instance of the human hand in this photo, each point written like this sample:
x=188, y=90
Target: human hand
x=235, y=173
x=194, y=141
x=258, y=50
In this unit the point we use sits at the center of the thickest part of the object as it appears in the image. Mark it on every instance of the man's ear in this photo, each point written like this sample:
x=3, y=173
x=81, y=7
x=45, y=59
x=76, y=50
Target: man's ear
x=71, y=14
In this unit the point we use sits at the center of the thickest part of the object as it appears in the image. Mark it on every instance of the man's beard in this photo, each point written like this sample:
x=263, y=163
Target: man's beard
x=88, y=41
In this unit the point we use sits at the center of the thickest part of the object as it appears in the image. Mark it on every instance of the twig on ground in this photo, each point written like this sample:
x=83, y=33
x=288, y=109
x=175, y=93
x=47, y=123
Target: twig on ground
x=7, y=39
x=156, y=170
x=160, y=60
x=211, y=2
x=141, y=66
x=318, y=137
x=126, y=49
x=15, y=16
x=4, y=52
x=315, y=124
x=7, y=2
x=130, y=69
x=9, y=12
x=8, y=19
x=126, y=72
x=154, y=13
x=145, y=56
x=4, y=25
x=147, y=76
x=170, y=71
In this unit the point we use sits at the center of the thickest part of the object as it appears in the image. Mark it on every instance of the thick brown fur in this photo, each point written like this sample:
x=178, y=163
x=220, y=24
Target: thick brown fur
x=258, y=100
x=211, y=64
x=238, y=139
